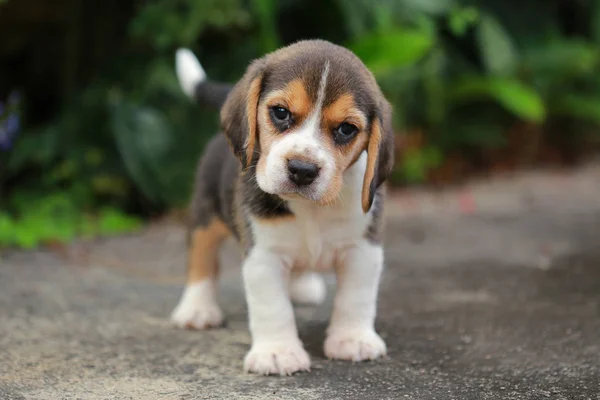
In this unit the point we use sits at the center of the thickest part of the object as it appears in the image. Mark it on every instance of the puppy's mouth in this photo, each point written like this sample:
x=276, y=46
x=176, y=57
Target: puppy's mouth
x=291, y=191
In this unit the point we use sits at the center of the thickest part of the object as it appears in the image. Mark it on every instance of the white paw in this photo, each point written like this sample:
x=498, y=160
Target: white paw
x=308, y=288
x=198, y=308
x=283, y=358
x=198, y=317
x=354, y=346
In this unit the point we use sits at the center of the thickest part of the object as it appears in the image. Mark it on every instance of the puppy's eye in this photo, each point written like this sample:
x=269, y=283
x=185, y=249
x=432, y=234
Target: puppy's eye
x=280, y=113
x=345, y=132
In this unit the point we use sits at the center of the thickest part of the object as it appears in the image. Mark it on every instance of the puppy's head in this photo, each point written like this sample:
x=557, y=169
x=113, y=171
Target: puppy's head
x=303, y=115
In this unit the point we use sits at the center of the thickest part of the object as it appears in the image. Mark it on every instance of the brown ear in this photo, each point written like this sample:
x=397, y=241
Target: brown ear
x=380, y=154
x=239, y=113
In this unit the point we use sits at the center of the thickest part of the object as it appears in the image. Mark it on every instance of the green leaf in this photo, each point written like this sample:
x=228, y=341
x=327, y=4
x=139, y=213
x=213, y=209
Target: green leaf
x=433, y=85
x=497, y=49
x=562, y=58
x=523, y=101
x=113, y=221
x=462, y=18
x=266, y=11
x=416, y=163
x=7, y=230
x=166, y=23
x=480, y=132
x=57, y=217
x=39, y=147
x=143, y=135
x=432, y=7
x=25, y=238
x=581, y=107
x=383, y=52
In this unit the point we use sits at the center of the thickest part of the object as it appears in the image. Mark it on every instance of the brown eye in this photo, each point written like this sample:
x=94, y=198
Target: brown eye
x=344, y=133
x=281, y=114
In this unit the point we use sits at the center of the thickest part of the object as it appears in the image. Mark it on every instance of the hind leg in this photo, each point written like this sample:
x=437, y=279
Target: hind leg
x=198, y=308
x=307, y=287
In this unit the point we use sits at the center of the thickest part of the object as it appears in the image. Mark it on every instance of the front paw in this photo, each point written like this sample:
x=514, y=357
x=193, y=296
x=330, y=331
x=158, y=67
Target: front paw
x=197, y=308
x=198, y=316
x=355, y=345
x=282, y=357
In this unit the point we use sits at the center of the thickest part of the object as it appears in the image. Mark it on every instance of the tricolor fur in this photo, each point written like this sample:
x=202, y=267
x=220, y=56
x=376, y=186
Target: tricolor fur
x=297, y=177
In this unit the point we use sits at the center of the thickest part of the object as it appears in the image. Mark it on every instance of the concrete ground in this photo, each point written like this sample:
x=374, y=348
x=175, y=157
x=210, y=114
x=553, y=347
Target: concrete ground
x=491, y=292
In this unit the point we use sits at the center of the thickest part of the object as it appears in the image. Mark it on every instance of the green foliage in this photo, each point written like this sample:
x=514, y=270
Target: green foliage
x=497, y=49
x=478, y=71
x=56, y=217
x=561, y=59
x=595, y=21
x=516, y=97
x=460, y=19
x=267, y=19
x=143, y=136
x=586, y=108
x=383, y=52
x=416, y=163
x=462, y=72
x=168, y=23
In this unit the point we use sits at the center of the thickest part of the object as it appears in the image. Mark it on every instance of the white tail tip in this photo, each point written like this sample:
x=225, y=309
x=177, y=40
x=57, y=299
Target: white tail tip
x=189, y=71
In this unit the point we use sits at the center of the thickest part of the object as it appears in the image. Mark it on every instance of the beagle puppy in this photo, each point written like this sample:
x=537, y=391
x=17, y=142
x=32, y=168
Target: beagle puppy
x=296, y=177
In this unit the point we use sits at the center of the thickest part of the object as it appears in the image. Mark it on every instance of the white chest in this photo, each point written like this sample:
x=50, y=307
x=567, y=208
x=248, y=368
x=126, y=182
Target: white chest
x=313, y=239
x=318, y=234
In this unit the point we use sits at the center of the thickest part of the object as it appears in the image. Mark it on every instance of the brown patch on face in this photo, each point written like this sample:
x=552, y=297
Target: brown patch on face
x=342, y=110
x=293, y=97
x=351, y=152
x=238, y=113
x=344, y=157
x=333, y=191
x=203, y=253
x=268, y=135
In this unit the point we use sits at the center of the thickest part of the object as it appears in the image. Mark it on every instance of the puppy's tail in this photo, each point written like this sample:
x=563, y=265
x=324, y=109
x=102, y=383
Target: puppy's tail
x=194, y=83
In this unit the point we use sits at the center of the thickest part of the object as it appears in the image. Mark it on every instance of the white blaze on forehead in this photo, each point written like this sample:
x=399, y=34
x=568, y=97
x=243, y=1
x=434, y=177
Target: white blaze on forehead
x=307, y=142
x=312, y=122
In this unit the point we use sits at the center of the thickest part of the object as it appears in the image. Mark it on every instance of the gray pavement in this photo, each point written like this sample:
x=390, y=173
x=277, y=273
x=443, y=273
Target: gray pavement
x=500, y=303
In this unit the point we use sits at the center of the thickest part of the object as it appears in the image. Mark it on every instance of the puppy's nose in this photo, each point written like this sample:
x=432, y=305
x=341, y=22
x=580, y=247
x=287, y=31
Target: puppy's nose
x=301, y=172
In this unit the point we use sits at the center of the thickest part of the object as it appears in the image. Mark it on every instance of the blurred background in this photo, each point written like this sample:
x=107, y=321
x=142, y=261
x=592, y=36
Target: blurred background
x=96, y=136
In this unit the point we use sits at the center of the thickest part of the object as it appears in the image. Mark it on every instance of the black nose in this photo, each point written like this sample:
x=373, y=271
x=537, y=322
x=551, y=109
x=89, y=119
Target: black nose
x=301, y=172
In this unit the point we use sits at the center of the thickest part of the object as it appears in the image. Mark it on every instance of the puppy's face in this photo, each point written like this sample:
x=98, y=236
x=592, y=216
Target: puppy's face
x=306, y=142
x=308, y=111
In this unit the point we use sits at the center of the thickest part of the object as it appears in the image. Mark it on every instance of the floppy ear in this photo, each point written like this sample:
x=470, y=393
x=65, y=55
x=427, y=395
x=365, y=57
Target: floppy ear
x=238, y=114
x=380, y=153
